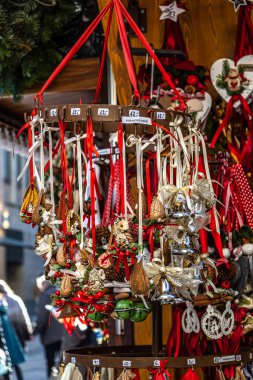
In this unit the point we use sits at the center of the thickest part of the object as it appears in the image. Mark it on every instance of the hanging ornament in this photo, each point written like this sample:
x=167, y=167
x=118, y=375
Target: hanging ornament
x=171, y=11
x=238, y=3
x=190, y=320
x=190, y=374
x=211, y=323
x=227, y=320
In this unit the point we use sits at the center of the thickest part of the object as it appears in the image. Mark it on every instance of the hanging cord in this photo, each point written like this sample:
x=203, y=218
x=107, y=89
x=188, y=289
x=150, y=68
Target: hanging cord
x=145, y=43
x=102, y=64
x=84, y=37
x=126, y=48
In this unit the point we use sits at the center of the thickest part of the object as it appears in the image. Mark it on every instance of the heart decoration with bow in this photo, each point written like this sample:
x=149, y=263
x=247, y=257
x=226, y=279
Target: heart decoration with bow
x=230, y=79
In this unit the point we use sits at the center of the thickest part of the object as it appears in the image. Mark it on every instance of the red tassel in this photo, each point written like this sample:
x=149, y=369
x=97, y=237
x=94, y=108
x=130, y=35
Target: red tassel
x=190, y=374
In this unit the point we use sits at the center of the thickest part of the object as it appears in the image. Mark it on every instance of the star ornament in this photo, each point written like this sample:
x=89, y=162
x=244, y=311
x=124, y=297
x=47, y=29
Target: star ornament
x=171, y=11
x=238, y=3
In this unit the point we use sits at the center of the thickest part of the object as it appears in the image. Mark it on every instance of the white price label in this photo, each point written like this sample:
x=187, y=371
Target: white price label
x=126, y=363
x=75, y=111
x=73, y=360
x=96, y=362
x=134, y=113
x=53, y=112
x=238, y=358
x=136, y=120
x=157, y=363
x=191, y=361
x=161, y=115
x=103, y=112
x=224, y=359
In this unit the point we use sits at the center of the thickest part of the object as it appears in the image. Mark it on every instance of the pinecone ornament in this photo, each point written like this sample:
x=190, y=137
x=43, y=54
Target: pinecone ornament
x=102, y=235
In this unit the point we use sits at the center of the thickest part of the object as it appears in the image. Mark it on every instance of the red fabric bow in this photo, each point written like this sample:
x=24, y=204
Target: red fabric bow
x=190, y=374
x=158, y=373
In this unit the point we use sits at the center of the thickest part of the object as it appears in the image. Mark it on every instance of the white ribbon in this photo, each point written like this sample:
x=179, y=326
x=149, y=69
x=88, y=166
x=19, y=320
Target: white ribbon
x=78, y=139
x=132, y=140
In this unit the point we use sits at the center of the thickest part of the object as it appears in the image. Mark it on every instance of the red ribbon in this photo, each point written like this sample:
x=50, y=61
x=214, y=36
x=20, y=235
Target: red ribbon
x=84, y=37
x=158, y=373
x=103, y=58
x=145, y=43
x=247, y=114
x=174, y=339
x=122, y=169
x=244, y=37
x=123, y=259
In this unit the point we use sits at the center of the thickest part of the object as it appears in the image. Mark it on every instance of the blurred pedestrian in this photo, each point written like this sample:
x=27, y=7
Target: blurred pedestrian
x=9, y=341
x=49, y=329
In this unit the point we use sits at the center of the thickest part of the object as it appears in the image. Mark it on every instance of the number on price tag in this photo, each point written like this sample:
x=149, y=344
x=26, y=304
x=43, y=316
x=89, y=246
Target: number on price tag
x=75, y=111
x=126, y=363
x=216, y=359
x=161, y=115
x=53, y=112
x=238, y=358
x=96, y=362
x=157, y=363
x=134, y=113
x=191, y=361
x=103, y=112
x=73, y=360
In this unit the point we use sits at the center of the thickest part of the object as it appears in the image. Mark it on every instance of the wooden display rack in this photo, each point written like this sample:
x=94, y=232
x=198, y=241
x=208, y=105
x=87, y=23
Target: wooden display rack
x=149, y=356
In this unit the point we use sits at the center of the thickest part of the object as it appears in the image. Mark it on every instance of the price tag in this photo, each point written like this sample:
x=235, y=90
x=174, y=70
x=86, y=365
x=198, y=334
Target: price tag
x=238, y=358
x=136, y=120
x=126, y=363
x=53, y=112
x=73, y=360
x=134, y=113
x=96, y=362
x=103, y=112
x=161, y=115
x=75, y=111
x=191, y=361
x=224, y=359
x=157, y=363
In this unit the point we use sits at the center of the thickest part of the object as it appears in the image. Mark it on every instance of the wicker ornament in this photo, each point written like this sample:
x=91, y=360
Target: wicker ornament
x=102, y=235
x=127, y=374
x=139, y=280
x=239, y=374
x=36, y=214
x=157, y=210
x=66, y=286
x=61, y=255
x=220, y=374
x=73, y=222
x=31, y=199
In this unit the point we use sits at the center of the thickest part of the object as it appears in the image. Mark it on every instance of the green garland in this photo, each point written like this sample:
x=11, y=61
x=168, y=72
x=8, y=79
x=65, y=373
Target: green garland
x=32, y=42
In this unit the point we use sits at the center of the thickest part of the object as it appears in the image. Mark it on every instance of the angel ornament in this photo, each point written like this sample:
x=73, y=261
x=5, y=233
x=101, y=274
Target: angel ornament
x=190, y=321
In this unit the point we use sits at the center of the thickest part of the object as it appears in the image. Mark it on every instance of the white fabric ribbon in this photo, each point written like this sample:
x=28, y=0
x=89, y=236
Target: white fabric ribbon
x=78, y=139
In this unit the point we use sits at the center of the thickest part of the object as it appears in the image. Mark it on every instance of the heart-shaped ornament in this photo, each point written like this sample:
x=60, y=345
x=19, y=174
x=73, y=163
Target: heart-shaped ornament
x=230, y=79
x=203, y=112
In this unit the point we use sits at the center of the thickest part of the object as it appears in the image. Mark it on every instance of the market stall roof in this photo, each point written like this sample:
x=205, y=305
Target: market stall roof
x=77, y=81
